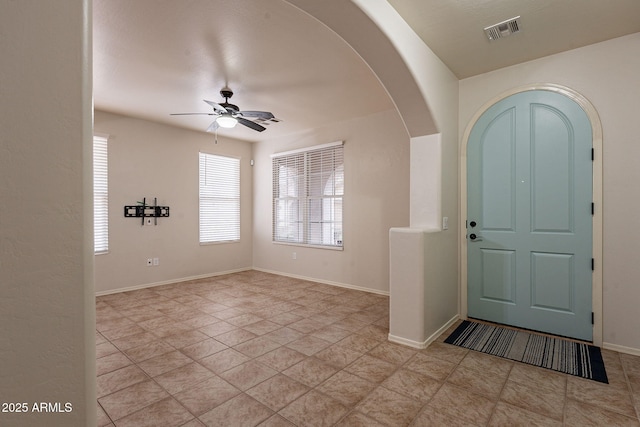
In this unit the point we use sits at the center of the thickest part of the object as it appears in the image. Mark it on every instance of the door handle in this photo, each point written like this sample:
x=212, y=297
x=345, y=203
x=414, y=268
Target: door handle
x=474, y=237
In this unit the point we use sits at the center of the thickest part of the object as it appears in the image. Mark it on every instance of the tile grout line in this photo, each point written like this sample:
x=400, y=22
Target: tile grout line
x=634, y=401
x=504, y=385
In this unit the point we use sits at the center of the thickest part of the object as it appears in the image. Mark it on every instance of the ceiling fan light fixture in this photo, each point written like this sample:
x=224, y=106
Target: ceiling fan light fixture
x=226, y=121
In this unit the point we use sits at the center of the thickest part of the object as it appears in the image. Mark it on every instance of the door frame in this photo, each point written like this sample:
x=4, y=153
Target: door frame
x=596, y=129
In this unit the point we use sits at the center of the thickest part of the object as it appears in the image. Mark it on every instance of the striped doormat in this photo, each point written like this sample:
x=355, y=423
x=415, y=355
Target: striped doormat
x=581, y=360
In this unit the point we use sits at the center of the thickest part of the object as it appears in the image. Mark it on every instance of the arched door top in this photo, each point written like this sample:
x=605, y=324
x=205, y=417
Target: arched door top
x=582, y=101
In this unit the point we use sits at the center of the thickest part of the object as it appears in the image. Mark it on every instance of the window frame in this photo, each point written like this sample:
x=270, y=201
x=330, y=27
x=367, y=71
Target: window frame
x=229, y=195
x=308, y=175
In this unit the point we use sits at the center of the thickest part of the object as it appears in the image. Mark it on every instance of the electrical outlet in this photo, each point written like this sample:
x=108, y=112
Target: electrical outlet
x=156, y=261
x=149, y=262
x=445, y=222
x=293, y=255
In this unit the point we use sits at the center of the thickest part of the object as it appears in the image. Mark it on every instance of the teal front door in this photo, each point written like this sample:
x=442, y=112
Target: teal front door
x=529, y=217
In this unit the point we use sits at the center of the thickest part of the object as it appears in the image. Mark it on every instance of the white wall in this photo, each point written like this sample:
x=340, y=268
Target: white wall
x=376, y=154
x=434, y=192
x=608, y=75
x=47, y=310
x=148, y=159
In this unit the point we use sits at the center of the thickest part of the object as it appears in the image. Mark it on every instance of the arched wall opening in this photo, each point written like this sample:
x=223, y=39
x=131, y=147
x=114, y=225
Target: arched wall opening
x=371, y=43
x=423, y=282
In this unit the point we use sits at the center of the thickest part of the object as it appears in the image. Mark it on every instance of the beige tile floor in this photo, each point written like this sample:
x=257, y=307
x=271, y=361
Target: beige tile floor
x=258, y=349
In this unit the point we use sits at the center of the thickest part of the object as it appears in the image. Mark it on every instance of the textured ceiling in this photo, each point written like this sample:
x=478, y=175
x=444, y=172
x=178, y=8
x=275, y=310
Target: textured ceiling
x=156, y=57
x=453, y=29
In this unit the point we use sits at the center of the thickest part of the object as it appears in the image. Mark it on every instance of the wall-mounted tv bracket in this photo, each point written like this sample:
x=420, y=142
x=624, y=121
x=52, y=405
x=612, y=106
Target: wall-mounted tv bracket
x=142, y=210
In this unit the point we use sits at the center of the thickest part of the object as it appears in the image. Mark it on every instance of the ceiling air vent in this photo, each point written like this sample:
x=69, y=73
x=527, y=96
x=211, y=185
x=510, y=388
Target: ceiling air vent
x=503, y=29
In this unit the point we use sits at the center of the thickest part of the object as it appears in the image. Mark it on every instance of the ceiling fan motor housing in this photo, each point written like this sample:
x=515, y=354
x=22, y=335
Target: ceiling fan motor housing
x=226, y=94
x=231, y=107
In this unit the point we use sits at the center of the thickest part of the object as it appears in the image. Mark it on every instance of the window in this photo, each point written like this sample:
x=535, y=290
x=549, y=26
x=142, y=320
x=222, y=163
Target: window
x=219, y=199
x=308, y=190
x=100, y=195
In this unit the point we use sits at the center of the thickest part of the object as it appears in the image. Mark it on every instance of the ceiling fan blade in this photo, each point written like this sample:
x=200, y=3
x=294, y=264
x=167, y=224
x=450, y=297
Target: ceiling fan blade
x=193, y=114
x=250, y=124
x=216, y=106
x=213, y=126
x=262, y=114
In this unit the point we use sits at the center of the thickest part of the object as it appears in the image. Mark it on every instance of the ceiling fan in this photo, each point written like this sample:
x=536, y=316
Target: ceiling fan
x=228, y=115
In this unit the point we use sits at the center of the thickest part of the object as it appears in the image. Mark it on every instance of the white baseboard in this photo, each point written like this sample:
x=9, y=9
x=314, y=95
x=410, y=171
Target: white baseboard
x=169, y=282
x=424, y=344
x=621, y=349
x=325, y=282
x=221, y=273
x=410, y=343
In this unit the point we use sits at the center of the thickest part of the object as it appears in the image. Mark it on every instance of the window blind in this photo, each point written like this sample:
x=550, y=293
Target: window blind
x=100, y=195
x=308, y=193
x=219, y=198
